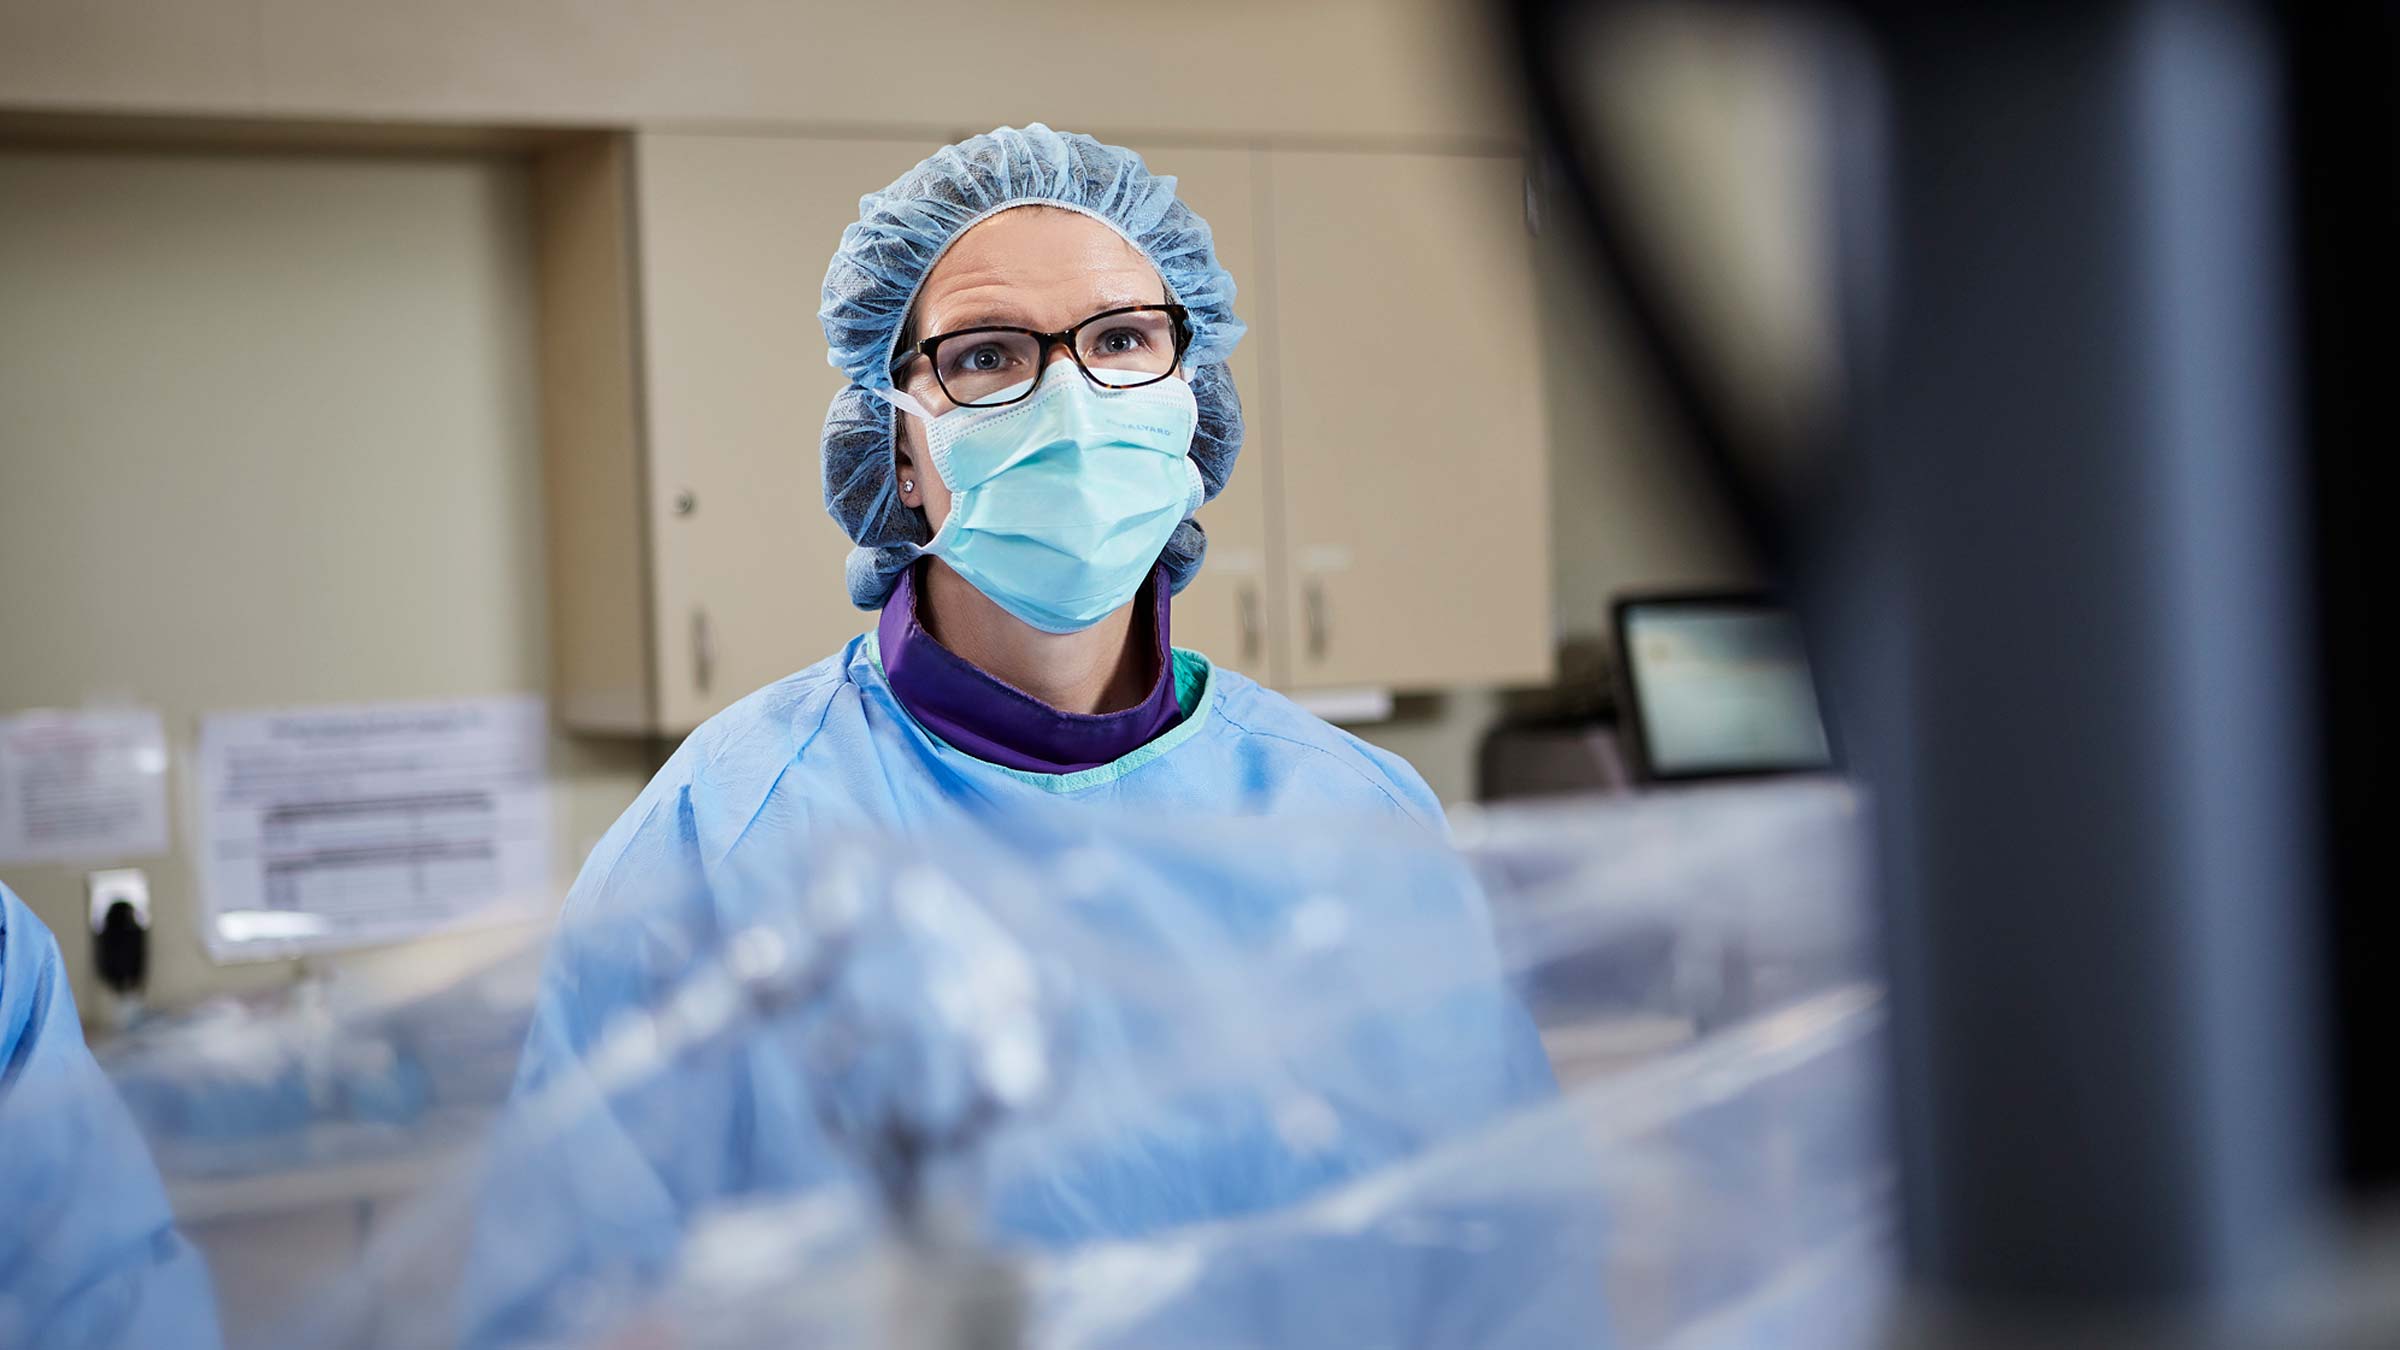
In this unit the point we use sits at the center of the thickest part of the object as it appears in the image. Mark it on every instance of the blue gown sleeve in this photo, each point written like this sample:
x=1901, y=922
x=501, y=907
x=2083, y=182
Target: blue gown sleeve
x=596, y=1173
x=89, y=1253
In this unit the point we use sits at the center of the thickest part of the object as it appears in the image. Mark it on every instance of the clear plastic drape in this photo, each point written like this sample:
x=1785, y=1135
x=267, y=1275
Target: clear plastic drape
x=1099, y=1083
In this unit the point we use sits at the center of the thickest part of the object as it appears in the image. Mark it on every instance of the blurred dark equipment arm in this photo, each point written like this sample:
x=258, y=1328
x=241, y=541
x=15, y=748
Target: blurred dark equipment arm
x=1550, y=37
x=2090, y=547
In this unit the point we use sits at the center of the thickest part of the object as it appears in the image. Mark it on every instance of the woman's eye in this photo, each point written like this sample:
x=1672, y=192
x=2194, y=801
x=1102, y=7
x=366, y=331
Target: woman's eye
x=1122, y=340
x=984, y=358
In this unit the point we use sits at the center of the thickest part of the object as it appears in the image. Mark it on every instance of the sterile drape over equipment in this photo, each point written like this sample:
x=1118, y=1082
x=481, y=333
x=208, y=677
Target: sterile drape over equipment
x=970, y=1091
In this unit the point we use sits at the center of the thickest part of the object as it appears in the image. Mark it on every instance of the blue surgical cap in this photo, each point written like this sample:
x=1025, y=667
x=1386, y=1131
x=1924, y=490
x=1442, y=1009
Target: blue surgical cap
x=903, y=231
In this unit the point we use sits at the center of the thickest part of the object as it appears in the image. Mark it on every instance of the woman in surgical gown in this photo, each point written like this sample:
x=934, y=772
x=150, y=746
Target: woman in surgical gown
x=1034, y=331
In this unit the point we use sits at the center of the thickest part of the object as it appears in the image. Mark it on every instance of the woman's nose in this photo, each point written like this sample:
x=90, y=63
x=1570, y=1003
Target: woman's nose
x=1050, y=362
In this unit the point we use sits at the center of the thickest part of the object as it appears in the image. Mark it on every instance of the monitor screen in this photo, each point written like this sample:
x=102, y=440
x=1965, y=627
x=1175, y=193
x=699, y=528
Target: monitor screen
x=1719, y=686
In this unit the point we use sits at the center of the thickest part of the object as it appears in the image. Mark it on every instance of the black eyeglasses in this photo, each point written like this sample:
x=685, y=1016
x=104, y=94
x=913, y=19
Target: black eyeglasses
x=1115, y=349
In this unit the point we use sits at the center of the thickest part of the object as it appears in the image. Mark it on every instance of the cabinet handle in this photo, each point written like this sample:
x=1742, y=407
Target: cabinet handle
x=1320, y=620
x=1253, y=631
x=704, y=650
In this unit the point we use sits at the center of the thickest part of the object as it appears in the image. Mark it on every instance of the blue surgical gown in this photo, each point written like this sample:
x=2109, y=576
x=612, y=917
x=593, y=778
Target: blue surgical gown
x=579, y=1213
x=89, y=1255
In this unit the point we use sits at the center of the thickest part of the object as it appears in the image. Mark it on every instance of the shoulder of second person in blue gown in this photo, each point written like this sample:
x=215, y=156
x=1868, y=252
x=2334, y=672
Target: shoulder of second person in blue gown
x=32, y=982
x=20, y=965
x=89, y=1254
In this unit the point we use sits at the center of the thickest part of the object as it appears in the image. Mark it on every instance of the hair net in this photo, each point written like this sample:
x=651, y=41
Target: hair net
x=903, y=231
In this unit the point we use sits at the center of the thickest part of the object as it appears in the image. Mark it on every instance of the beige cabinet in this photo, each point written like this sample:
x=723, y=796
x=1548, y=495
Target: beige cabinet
x=735, y=235
x=686, y=393
x=1412, y=444
x=1387, y=523
x=1228, y=611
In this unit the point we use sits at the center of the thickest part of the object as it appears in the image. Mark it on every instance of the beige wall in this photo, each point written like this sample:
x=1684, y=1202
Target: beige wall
x=1376, y=69
x=269, y=438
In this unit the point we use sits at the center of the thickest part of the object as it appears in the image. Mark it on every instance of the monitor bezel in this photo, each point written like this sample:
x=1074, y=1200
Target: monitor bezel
x=1629, y=705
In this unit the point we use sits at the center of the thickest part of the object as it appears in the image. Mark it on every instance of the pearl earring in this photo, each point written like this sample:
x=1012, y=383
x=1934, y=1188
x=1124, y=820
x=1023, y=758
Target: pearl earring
x=908, y=485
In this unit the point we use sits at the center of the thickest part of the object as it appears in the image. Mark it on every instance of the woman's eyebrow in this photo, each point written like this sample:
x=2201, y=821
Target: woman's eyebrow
x=1127, y=299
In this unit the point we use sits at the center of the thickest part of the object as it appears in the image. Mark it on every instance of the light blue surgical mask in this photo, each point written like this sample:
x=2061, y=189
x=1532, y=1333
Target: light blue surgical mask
x=1061, y=502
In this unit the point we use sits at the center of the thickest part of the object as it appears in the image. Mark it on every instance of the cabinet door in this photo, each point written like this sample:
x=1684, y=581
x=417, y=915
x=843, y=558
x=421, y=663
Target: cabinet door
x=1228, y=611
x=734, y=235
x=1413, y=443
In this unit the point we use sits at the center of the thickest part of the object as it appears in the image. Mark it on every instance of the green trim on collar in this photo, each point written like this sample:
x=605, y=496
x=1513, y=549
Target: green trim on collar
x=1193, y=675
